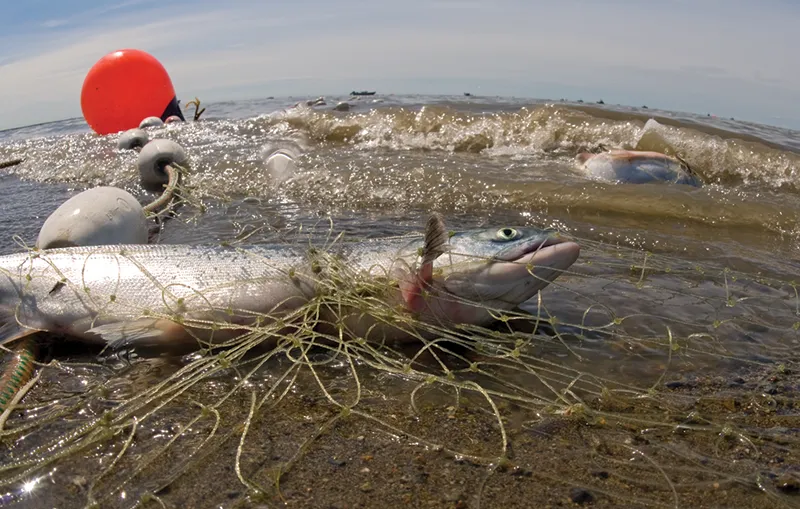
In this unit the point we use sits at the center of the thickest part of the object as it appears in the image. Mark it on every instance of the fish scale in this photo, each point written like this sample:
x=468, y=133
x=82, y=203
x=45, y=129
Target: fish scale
x=76, y=289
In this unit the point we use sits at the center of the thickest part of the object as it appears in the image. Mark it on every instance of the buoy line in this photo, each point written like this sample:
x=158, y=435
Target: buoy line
x=161, y=204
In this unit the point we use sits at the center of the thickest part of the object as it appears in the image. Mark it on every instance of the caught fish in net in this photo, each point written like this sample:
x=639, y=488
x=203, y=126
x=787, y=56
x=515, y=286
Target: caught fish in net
x=633, y=379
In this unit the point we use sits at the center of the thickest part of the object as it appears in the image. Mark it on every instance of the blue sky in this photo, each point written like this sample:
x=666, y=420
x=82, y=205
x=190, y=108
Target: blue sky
x=731, y=58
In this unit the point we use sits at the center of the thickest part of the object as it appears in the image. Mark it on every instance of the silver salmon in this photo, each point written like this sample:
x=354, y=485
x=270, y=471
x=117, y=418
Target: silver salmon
x=129, y=295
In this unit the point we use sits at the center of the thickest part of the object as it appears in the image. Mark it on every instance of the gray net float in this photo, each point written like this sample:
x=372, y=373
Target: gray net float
x=153, y=161
x=98, y=216
x=132, y=139
x=151, y=122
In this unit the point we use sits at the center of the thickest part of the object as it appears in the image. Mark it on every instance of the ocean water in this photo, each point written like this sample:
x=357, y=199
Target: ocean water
x=725, y=254
x=393, y=159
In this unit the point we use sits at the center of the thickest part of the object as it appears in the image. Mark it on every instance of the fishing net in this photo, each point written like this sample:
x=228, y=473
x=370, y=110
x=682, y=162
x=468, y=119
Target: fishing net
x=634, y=380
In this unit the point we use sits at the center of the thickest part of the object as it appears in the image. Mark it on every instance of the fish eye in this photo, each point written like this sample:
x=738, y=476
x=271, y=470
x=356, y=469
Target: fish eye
x=504, y=234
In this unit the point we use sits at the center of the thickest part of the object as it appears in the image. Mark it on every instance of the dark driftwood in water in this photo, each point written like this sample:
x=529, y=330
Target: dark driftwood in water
x=9, y=164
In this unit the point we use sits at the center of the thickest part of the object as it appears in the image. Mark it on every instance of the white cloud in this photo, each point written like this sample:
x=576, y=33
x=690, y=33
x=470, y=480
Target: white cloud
x=55, y=23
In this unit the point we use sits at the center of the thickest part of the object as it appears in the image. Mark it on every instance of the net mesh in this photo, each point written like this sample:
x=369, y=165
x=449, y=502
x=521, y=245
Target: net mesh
x=635, y=379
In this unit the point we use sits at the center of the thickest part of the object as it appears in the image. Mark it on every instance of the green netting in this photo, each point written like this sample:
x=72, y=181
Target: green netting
x=633, y=380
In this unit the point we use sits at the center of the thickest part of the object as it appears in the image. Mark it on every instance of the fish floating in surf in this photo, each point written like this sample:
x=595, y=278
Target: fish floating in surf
x=166, y=295
x=637, y=167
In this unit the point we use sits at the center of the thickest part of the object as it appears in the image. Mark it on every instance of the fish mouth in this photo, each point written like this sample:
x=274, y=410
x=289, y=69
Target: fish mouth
x=554, y=257
x=545, y=259
x=515, y=274
x=537, y=248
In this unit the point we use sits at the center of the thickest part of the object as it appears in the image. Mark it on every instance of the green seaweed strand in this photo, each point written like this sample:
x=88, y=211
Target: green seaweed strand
x=17, y=370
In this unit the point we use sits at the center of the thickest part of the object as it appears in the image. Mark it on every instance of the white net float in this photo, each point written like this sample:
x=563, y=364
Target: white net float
x=132, y=139
x=153, y=160
x=151, y=122
x=98, y=216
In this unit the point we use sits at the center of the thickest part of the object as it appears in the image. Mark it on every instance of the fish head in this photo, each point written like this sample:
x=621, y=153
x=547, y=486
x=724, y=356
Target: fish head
x=503, y=267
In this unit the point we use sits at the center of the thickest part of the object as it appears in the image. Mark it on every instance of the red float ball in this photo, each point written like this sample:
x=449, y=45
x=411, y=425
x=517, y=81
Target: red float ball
x=124, y=87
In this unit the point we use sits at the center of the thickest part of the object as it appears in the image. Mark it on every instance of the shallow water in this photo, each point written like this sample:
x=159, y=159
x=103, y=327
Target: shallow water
x=712, y=268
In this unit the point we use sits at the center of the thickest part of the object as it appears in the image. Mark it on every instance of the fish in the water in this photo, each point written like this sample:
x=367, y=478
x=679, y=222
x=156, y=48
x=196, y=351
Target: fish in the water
x=637, y=167
x=171, y=294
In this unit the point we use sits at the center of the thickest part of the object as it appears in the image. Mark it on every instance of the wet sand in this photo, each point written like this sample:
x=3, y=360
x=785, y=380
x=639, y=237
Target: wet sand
x=696, y=441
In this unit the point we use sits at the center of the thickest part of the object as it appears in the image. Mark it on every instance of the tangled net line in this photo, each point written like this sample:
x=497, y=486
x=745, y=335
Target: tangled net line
x=492, y=398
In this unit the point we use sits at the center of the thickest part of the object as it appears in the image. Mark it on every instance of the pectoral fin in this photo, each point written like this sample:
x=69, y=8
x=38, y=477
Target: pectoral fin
x=412, y=286
x=134, y=332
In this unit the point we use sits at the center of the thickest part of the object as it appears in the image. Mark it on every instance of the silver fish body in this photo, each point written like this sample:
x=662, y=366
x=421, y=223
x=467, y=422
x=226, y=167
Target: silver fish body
x=161, y=293
x=77, y=290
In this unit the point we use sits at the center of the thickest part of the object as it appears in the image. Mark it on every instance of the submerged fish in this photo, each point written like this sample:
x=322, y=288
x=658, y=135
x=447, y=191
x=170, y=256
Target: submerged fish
x=637, y=167
x=170, y=294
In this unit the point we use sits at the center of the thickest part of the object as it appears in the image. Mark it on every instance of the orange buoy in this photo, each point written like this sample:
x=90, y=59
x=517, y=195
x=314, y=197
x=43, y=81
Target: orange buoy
x=124, y=87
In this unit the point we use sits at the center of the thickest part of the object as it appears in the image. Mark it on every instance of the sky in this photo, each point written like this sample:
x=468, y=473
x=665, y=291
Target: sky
x=726, y=57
